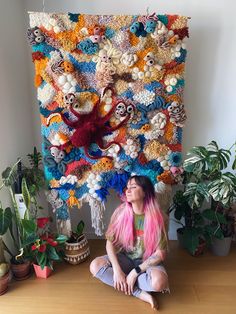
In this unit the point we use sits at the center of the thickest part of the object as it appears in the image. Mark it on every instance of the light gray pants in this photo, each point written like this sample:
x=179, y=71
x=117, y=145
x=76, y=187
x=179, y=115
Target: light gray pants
x=143, y=282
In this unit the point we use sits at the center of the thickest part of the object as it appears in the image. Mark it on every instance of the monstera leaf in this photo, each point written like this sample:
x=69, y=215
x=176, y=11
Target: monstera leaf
x=209, y=159
x=224, y=189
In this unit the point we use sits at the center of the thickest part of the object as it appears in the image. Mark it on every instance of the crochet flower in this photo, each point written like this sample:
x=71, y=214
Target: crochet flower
x=67, y=82
x=46, y=94
x=171, y=82
x=145, y=97
x=164, y=161
x=175, y=159
x=108, y=57
x=176, y=50
x=132, y=148
x=158, y=122
x=129, y=59
x=68, y=179
x=113, y=151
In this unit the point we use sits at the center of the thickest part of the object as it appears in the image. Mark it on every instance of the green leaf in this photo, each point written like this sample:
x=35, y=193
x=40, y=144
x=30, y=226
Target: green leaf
x=25, y=193
x=29, y=225
x=5, y=220
x=52, y=253
x=80, y=228
x=30, y=239
x=41, y=259
x=191, y=239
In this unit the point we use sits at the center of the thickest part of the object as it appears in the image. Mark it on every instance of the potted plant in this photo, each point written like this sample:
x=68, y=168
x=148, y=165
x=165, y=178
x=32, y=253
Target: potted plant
x=193, y=235
x=45, y=248
x=24, y=183
x=5, y=222
x=76, y=247
x=210, y=180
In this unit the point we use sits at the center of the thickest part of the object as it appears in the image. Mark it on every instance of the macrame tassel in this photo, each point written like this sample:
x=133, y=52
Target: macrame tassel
x=164, y=195
x=97, y=210
x=64, y=227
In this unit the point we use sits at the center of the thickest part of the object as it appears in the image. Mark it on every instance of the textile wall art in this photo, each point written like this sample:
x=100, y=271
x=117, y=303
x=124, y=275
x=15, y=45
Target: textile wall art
x=110, y=93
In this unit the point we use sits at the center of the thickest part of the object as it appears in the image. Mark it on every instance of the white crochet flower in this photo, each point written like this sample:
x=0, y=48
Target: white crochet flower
x=175, y=50
x=46, y=94
x=93, y=184
x=145, y=97
x=129, y=59
x=67, y=82
x=159, y=120
x=132, y=148
x=107, y=57
x=164, y=161
x=170, y=83
x=113, y=151
x=69, y=179
x=46, y=20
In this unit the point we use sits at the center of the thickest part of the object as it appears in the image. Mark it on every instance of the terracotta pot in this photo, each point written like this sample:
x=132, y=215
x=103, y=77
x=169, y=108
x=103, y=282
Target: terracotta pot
x=42, y=273
x=4, y=283
x=21, y=271
x=76, y=253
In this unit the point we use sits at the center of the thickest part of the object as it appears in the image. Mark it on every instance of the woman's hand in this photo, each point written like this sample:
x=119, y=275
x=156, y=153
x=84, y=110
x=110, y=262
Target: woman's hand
x=131, y=279
x=120, y=281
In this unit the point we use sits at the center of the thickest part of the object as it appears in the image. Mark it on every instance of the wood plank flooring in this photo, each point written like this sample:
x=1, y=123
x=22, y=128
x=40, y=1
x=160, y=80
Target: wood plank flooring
x=202, y=285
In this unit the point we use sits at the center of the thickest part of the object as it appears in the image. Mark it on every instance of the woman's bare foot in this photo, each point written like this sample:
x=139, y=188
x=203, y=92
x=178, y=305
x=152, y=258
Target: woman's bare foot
x=147, y=297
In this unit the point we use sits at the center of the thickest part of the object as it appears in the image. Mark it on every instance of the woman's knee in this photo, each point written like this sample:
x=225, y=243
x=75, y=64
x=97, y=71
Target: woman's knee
x=159, y=280
x=97, y=264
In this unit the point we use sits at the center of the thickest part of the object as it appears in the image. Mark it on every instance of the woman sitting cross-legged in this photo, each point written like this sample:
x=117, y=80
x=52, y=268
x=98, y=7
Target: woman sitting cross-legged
x=136, y=244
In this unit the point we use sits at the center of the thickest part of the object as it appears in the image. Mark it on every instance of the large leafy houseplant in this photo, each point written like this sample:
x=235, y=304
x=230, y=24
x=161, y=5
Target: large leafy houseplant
x=205, y=179
x=212, y=181
x=193, y=233
x=32, y=182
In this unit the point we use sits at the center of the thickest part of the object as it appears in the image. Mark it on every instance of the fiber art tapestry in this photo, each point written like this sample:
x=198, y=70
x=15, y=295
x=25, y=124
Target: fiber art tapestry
x=110, y=92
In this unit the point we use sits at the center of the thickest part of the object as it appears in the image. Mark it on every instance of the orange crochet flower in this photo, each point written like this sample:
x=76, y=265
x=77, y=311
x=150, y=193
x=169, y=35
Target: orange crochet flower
x=166, y=177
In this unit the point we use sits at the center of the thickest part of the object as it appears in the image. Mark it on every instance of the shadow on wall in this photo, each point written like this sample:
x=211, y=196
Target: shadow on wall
x=203, y=54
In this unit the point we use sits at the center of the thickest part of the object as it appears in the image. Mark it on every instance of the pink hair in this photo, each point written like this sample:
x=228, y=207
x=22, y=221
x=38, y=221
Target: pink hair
x=121, y=228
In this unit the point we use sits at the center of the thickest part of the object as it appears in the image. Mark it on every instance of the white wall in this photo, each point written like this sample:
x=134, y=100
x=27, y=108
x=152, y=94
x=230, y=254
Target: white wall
x=16, y=126
x=210, y=75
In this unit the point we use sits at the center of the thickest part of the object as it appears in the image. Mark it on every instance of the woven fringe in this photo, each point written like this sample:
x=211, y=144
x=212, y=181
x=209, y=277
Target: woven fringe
x=64, y=227
x=97, y=210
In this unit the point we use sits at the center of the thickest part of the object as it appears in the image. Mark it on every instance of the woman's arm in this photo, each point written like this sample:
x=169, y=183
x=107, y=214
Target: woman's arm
x=157, y=257
x=119, y=276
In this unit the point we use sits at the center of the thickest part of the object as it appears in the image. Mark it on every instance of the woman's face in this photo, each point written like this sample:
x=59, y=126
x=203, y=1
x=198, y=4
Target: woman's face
x=134, y=192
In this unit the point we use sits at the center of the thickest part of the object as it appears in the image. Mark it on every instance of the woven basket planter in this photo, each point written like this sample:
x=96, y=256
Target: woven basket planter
x=76, y=253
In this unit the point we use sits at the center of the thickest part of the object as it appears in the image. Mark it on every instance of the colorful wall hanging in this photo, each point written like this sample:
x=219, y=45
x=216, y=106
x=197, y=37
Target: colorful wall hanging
x=110, y=92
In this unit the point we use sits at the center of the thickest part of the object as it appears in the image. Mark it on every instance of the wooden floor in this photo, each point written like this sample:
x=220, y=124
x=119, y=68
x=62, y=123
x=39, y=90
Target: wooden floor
x=203, y=285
